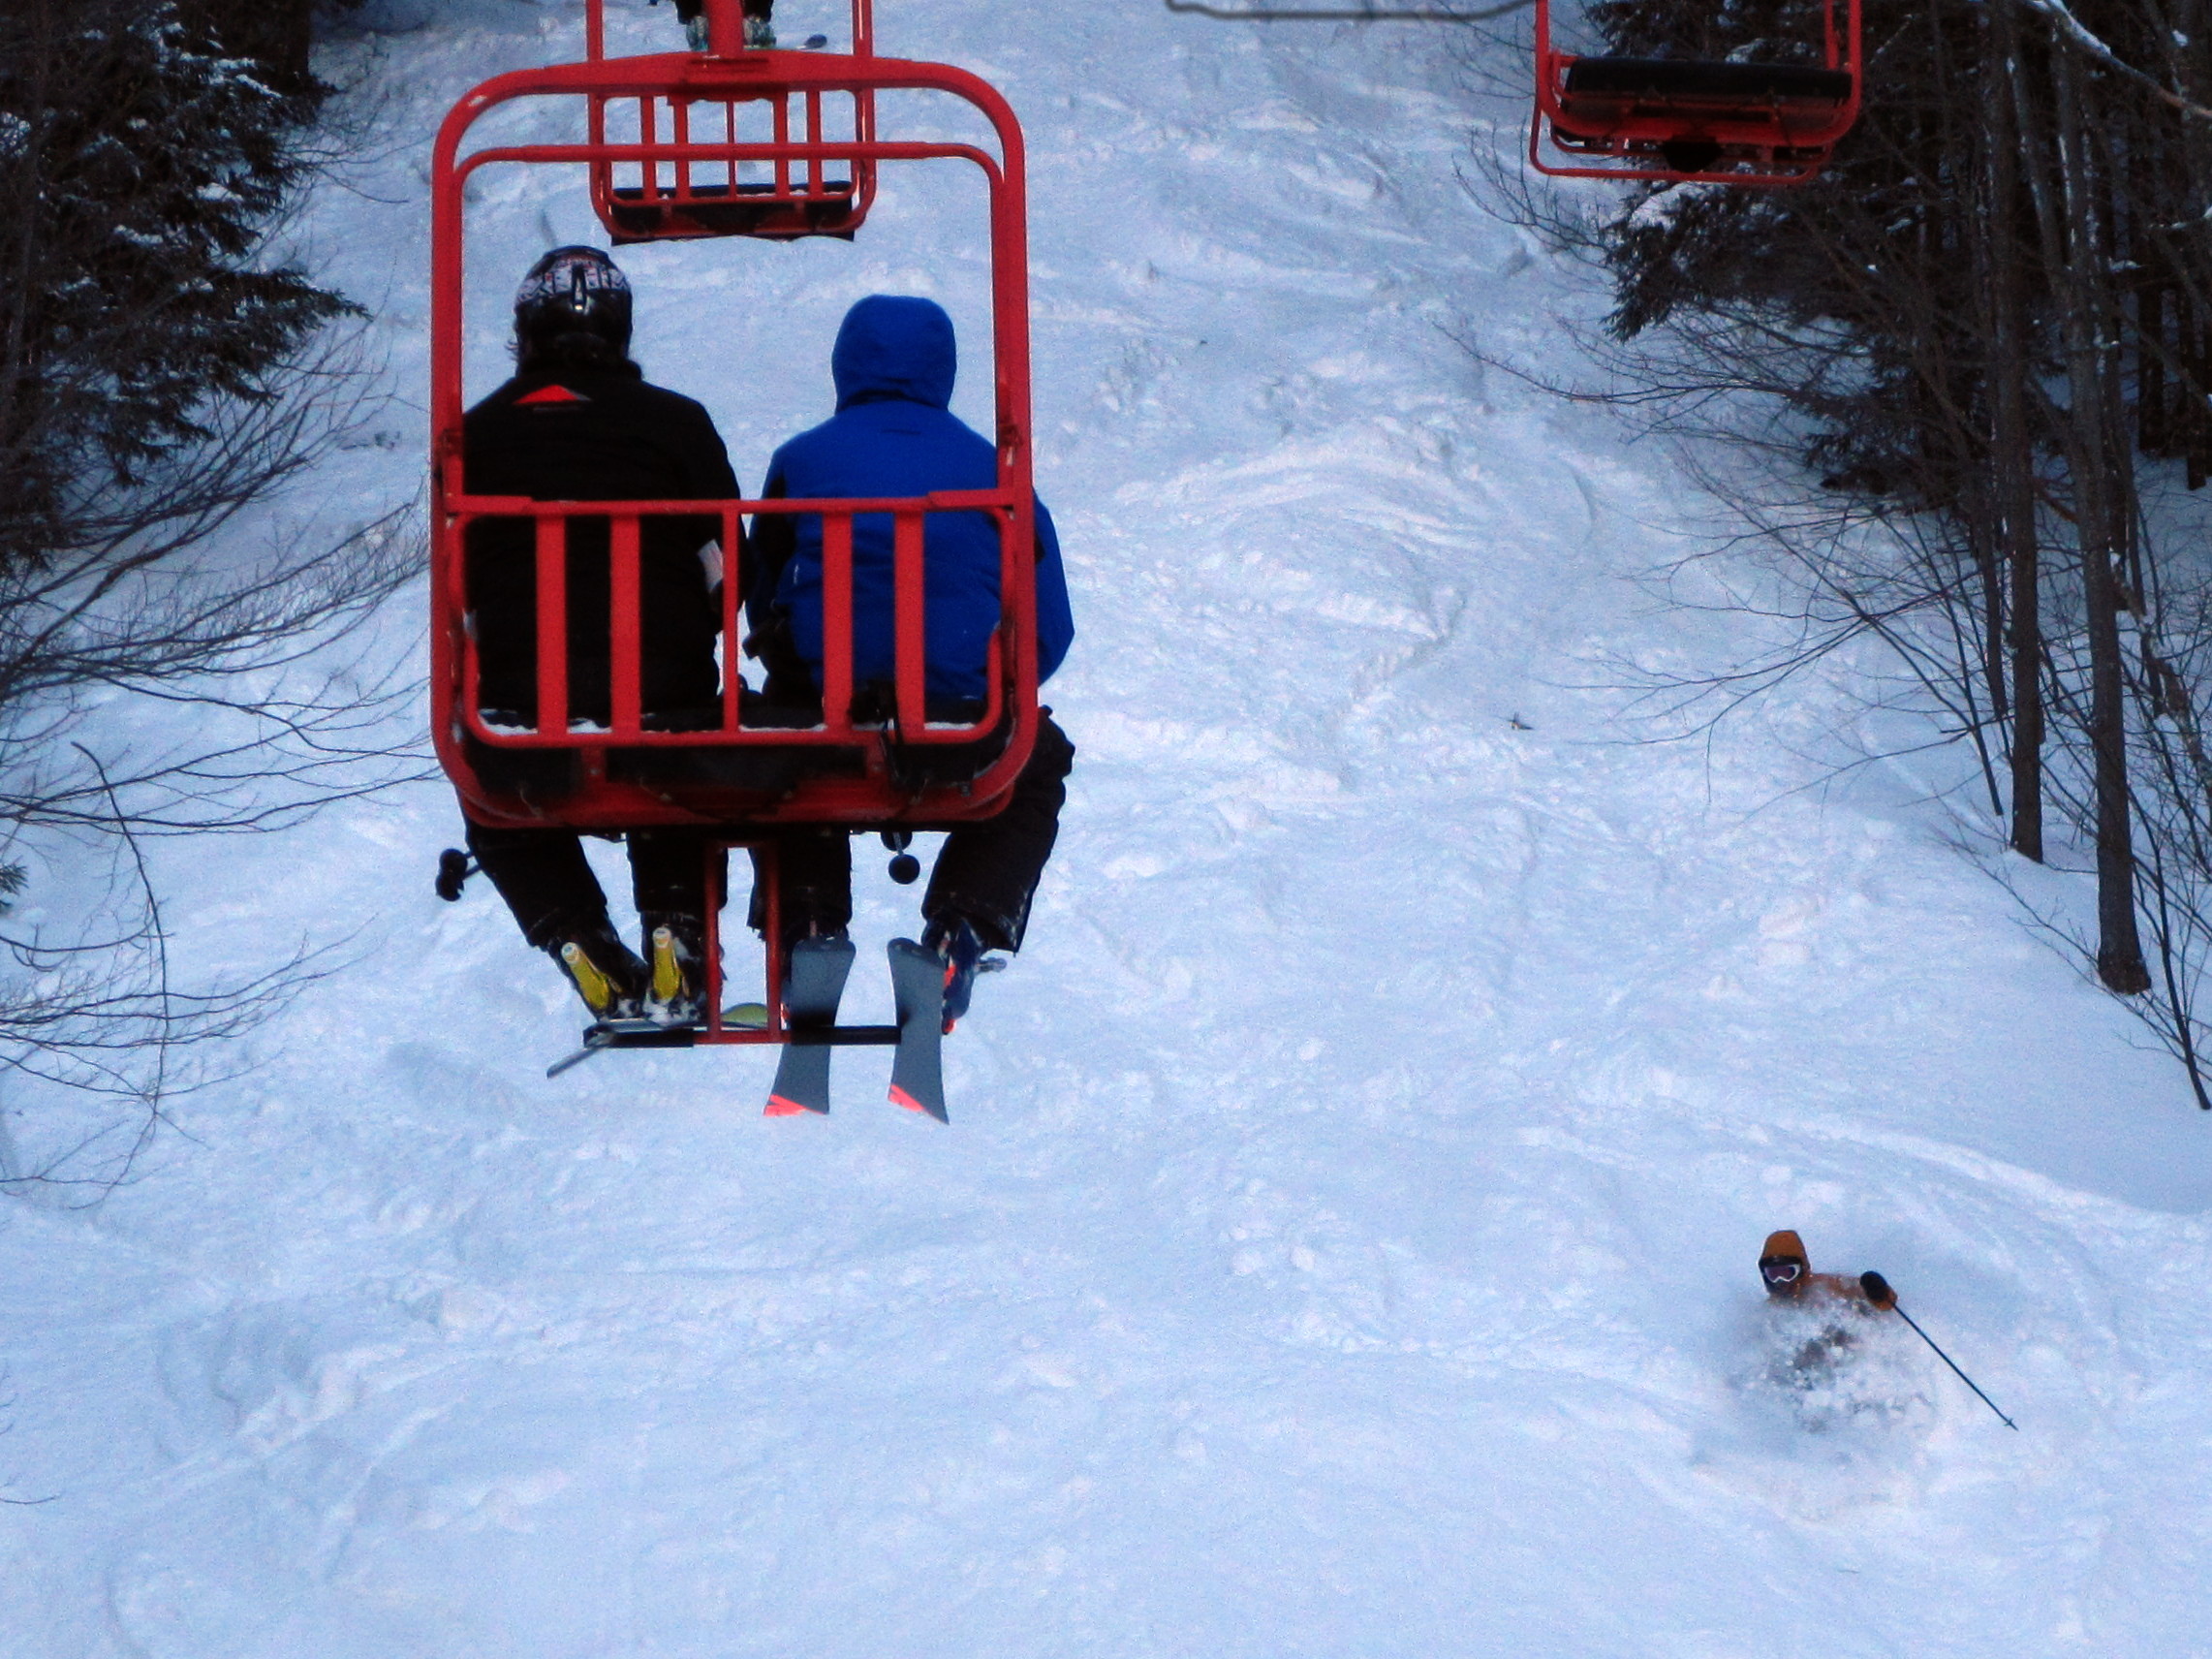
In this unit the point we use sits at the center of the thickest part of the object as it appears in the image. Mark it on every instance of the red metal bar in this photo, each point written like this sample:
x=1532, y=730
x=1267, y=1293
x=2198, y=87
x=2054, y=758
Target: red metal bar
x=595, y=42
x=725, y=28
x=909, y=662
x=815, y=182
x=626, y=666
x=553, y=551
x=994, y=501
x=717, y=886
x=837, y=516
x=732, y=638
x=451, y=645
x=783, y=141
x=994, y=682
x=770, y=871
x=730, y=133
x=837, y=622
x=1017, y=536
x=679, y=127
x=859, y=153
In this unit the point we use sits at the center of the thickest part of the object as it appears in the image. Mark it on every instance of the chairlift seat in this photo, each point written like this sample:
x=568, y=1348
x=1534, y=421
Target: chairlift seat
x=1671, y=82
x=719, y=210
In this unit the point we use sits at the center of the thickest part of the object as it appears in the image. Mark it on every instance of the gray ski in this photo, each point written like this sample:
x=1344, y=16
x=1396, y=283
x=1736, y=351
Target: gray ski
x=593, y=1044
x=918, y=987
x=812, y=990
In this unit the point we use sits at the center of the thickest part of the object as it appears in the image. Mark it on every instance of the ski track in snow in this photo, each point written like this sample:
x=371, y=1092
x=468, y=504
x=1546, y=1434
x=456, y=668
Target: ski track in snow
x=1343, y=1241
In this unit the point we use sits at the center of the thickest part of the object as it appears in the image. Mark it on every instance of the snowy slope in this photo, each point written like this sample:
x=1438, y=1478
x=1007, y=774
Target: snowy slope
x=1343, y=1243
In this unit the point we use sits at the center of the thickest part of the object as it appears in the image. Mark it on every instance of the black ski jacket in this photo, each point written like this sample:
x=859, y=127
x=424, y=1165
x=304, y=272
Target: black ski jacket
x=598, y=434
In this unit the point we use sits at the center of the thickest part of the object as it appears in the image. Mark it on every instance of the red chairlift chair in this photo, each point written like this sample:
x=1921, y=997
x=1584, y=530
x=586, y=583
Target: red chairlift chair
x=742, y=767
x=686, y=196
x=1685, y=121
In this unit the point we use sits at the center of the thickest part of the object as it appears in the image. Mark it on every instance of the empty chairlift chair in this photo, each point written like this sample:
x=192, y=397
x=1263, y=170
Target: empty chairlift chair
x=672, y=166
x=1689, y=120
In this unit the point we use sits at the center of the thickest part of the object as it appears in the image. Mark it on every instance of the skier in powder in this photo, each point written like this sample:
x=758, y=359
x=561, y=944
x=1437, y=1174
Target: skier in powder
x=1790, y=1282
x=893, y=435
x=579, y=423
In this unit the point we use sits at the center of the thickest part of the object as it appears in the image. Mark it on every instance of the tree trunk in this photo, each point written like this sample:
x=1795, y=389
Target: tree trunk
x=2011, y=442
x=2092, y=354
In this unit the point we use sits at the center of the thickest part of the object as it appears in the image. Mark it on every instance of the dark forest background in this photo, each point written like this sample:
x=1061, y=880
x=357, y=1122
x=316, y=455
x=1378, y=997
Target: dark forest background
x=1990, y=324
x=168, y=370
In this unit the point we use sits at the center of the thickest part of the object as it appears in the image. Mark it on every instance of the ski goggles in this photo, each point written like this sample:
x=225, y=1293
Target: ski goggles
x=1781, y=1269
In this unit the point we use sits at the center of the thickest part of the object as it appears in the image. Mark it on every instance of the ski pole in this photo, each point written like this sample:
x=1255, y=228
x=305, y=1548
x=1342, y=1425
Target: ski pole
x=1879, y=1293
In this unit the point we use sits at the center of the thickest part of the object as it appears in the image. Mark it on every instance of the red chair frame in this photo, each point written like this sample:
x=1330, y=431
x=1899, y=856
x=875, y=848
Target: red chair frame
x=872, y=793
x=1782, y=143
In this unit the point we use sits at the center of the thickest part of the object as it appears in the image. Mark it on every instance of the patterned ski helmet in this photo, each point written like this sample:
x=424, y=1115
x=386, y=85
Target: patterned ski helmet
x=574, y=290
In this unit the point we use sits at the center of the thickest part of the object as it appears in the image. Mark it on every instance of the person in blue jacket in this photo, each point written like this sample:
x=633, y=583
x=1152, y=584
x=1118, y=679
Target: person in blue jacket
x=893, y=435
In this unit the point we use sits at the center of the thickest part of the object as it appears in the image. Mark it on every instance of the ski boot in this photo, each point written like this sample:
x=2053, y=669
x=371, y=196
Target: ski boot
x=609, y=978
x=760, y=33
x=692, y=14
x=955, y=940
x=676, y=947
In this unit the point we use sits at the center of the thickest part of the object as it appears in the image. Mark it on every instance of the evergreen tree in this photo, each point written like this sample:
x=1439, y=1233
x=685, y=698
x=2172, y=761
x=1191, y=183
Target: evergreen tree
x=140, y=166
x=161, y=371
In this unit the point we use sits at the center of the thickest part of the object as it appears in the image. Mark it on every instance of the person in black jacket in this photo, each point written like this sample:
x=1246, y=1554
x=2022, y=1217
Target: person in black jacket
x=580, y=423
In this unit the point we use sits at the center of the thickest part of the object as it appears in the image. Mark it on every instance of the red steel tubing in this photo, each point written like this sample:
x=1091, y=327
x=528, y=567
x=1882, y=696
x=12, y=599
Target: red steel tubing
x=907, y=631
x=837, y=621
x=552, y=625
x=626, y=664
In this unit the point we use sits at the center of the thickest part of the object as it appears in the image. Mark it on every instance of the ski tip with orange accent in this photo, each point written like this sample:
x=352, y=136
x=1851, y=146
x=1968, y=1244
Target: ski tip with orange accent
x=900, y=1098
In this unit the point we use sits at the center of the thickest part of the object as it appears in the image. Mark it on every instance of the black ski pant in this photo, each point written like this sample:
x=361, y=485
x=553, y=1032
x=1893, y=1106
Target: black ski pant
x=986, y=873
x=547, y=882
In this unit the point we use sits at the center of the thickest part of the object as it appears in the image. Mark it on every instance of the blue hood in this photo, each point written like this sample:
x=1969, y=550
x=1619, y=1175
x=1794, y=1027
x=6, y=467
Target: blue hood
x=893, y=346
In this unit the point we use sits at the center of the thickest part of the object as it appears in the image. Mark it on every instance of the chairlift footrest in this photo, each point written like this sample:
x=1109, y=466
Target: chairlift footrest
x=639, y=1034
x=608, y=1034
x=845, y=1037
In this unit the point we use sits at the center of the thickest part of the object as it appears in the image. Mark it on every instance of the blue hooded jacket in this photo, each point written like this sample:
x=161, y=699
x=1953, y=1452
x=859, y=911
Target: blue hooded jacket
x=895, y=435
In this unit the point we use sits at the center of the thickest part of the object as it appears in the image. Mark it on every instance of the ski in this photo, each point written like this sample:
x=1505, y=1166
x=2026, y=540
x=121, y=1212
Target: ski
x=813, y=986
x=917, y=988
x=593, y=1044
